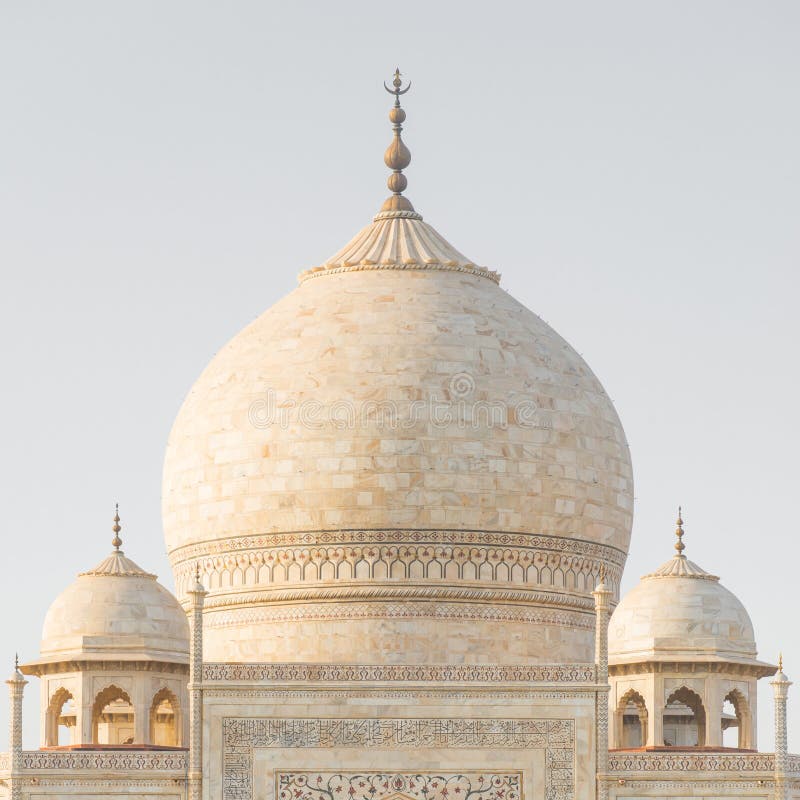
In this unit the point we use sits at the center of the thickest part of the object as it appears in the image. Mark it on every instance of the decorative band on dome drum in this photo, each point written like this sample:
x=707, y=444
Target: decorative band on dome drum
x=254, y=615
x=398, y=592
x=463, y=566
x=189, y=554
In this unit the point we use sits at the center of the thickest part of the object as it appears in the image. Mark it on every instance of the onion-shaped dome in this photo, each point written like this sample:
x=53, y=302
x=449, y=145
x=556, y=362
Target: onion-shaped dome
x=116, y=611
x=403, y=455
x=681, y=613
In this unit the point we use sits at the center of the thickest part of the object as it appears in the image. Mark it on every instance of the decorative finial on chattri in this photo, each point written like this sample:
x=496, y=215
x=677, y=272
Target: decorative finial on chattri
x=16, y=662
x=780, y=662
x=116, y=541
x=197, y=571
x=679, y=545
x=602, y=575
x=397, y=156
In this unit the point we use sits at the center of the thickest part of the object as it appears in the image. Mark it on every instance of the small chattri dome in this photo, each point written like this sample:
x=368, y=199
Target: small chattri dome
x=115, y=611
x=681, y=613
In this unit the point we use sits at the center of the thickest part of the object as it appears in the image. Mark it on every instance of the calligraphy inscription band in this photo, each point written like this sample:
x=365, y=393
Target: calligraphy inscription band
x=554, y=737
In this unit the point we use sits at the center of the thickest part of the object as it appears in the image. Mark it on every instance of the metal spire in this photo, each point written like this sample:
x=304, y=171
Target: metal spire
x=397, y=156
x=116, y=541
x=679, y=545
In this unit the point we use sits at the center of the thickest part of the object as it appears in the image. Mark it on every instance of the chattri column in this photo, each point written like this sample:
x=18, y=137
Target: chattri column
x=197, y=595
x=602, y=603
x=780, y=686
x=16, y=685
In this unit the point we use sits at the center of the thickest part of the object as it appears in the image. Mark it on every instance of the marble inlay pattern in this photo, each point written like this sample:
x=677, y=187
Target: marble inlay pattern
x=469, y=673
x=688, y=762
x=384, y=785
x=106, y=760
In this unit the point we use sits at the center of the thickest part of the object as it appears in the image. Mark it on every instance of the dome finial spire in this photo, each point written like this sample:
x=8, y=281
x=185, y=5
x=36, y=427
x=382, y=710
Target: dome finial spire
x=397, y=156
x=116, y=541
x=679, y=545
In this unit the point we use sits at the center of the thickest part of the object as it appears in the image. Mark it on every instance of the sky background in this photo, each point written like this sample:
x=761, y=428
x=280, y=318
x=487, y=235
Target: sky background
x=631, y=168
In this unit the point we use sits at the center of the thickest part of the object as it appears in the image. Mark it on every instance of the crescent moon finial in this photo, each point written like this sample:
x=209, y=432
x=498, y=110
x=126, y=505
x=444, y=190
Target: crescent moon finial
x=397, y=82
x=397, y=156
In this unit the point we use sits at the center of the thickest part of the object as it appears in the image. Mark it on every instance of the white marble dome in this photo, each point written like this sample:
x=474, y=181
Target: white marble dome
x=116, y=611
x=681, y=613
x=397, y=461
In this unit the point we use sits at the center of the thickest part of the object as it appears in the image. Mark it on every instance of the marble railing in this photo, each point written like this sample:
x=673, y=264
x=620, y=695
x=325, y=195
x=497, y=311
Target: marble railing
x=642, y=761
x=109, y=760
x=458, y=673
x=5, y=762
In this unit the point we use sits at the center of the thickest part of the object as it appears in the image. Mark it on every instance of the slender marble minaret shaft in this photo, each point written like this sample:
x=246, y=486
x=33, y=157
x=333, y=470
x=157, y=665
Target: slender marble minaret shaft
x=197, y=596
x=16, y=685
x=780, y=686
x=602, y=605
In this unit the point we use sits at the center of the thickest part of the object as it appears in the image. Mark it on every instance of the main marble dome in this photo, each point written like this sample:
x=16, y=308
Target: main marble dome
x=398, y=462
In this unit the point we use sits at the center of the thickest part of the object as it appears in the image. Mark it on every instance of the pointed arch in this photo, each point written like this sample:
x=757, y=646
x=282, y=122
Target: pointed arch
x=691, y=723
x=55, y=710
x=107, y=722
x=630, y=730
x=743, y=718
x=165, y=719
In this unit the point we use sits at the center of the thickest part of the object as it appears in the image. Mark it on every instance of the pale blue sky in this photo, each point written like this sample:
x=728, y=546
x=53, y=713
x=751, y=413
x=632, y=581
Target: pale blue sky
x=632, y=168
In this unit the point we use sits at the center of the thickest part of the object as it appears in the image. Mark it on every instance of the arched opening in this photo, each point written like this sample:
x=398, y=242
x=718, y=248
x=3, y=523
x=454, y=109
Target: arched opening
x=60, y=725
x=631, y=719
x=684, y=719
x=735, y=721
x=165, y=723
x=113, y=717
